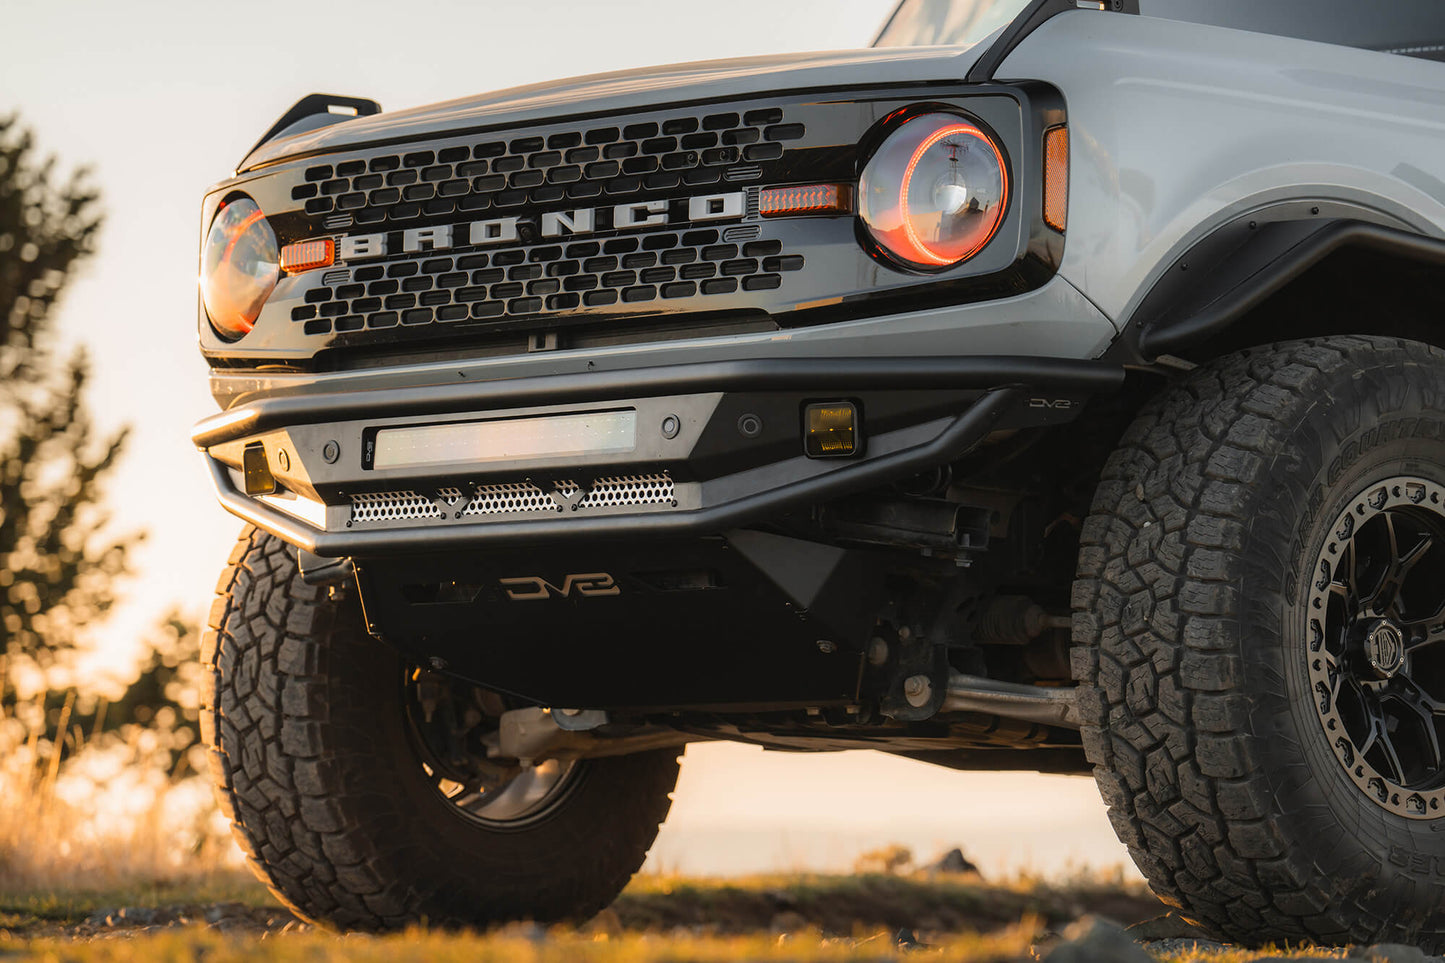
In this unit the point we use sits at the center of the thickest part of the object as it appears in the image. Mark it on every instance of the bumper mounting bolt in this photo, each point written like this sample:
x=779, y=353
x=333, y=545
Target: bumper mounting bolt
x=918, y=690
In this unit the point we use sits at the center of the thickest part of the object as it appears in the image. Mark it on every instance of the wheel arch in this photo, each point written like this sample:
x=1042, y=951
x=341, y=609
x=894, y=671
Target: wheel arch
x=1293, y=271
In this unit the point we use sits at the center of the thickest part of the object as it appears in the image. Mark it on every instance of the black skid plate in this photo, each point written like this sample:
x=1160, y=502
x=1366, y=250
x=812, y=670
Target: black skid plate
x=743, y=621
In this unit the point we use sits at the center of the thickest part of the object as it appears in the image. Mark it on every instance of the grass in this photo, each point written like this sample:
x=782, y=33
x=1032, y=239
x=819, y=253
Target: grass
x=112, y=827
x=515, y=946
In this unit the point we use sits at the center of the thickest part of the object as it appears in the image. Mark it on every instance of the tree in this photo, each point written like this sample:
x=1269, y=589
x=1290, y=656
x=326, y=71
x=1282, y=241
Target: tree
x=58, y=564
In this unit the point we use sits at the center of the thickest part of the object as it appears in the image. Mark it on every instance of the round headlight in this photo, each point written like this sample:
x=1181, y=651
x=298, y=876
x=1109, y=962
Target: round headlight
x=935, y=191
x=239, y=266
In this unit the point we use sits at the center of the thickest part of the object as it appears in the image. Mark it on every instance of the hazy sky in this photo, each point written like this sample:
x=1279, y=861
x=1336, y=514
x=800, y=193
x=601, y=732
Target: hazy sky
x=163, y=97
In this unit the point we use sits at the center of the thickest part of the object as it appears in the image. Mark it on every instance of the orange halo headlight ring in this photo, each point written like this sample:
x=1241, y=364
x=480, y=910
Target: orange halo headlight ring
x=240, y=265
x=934, y=192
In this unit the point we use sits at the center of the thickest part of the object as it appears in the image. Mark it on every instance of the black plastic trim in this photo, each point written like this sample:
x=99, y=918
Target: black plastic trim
x=308, y=106
x=1174, y=333
x=806, y=374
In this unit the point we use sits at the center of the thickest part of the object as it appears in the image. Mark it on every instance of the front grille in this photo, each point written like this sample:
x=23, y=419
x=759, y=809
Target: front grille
x=613, y=160
x=522, y=281
x=515, y=498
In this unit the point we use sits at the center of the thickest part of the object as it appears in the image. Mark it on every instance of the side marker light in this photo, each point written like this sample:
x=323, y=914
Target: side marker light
x=1056, y=177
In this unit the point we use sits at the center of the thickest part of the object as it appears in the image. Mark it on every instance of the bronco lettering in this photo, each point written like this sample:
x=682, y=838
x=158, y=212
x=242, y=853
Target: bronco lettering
x=582, y=220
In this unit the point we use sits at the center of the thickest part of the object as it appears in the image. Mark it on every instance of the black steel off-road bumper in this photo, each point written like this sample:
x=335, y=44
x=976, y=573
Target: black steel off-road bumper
x=716, y=446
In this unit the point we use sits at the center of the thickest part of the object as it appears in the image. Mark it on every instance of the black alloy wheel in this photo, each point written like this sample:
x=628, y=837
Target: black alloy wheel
x=1377, y=644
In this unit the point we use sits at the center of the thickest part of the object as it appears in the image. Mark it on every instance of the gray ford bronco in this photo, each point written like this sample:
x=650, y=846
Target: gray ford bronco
x=1056, y=385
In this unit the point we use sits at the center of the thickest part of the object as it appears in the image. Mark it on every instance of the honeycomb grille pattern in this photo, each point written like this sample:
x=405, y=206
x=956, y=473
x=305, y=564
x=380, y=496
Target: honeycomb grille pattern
x=389, y=506
x=505, y=174
x=629, y=490
x=509, y=498
x=517, y=282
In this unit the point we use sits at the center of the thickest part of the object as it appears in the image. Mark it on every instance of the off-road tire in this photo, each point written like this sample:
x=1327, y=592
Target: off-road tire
x=1189, y=642
x=312, y=762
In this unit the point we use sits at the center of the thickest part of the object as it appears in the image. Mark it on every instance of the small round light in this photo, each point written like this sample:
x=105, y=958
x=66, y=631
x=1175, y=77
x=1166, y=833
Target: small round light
x=240, y=264
x=935, y=192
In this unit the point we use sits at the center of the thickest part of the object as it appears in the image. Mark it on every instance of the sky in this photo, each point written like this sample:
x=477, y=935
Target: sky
x=162, y=98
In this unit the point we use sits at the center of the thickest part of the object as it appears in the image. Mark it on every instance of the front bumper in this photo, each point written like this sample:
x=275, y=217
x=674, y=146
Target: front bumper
x=706, y=476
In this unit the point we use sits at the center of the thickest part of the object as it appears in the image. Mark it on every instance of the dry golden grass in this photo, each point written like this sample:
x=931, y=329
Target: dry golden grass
x=520, y=946
x=112, y=814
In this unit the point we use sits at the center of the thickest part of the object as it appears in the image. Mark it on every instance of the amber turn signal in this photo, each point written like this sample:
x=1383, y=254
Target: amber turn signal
x=808, y=199
x=307, y=255
x=830, y=430
x=1056, y=177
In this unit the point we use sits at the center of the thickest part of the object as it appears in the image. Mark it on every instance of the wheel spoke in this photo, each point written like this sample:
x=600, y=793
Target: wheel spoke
x=1400, y=568
x=1351, y=581
x=1433, y=634
x=1387, y=747
x=1425, y=710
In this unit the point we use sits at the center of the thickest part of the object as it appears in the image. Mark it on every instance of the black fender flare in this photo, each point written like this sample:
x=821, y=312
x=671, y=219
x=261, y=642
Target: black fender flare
x=1239, y=265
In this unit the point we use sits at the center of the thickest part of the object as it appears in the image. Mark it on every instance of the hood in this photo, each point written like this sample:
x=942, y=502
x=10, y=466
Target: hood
x=625, y=90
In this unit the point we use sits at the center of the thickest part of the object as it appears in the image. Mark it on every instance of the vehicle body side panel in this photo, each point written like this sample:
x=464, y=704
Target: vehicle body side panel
x=1179, y=128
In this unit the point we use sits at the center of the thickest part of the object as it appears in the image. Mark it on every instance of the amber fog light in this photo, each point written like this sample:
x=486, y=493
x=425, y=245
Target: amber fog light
x=830, y=430
x=935, y=192
x=239, y=267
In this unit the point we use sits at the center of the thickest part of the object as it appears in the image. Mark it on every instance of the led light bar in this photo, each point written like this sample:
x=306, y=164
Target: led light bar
x=807, y=199
x=508, y=439
x=307, y=255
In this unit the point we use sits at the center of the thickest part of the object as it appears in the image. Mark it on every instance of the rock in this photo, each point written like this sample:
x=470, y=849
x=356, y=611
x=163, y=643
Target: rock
x=135, y=916
x=1388, y=953
x=101, y=917
x=788, y=921
x=1181, y=947
x=1170, y=926
x=1097, y=940
x=954, y=861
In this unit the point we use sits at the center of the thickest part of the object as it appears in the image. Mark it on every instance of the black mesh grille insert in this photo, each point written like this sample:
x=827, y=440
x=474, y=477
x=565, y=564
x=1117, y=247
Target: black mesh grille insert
x=503, y=174
x=513, y=282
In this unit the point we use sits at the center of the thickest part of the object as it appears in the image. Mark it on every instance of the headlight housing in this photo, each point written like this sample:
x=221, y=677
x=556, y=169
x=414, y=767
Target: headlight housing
x=935, y=191
x=240, y=265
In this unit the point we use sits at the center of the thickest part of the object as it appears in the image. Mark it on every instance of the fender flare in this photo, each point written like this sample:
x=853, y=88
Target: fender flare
x=1240, y=265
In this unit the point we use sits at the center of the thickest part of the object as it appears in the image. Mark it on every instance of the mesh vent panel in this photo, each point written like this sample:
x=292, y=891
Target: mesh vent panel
x=514, y=498
x=629, y=490
x=388, y=506
x=510, y=497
